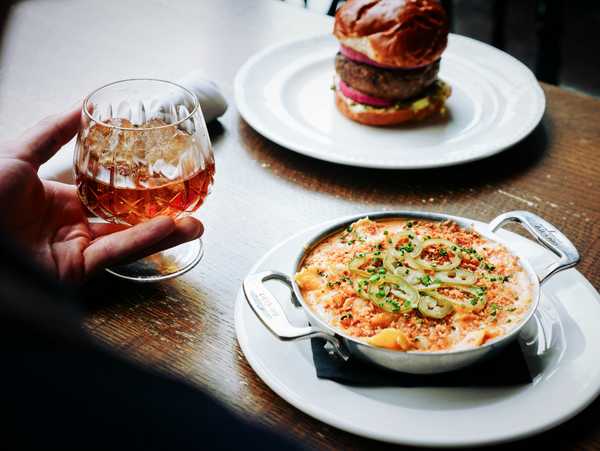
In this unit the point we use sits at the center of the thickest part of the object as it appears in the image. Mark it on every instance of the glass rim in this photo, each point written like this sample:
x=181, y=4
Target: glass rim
x=174, y=124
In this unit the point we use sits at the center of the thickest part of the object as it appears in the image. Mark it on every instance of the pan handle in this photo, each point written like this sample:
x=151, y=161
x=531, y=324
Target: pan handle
x=545, y=234
x=269, y=311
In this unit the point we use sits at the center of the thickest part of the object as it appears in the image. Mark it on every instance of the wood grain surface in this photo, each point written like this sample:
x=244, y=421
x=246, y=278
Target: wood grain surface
x=265, y=193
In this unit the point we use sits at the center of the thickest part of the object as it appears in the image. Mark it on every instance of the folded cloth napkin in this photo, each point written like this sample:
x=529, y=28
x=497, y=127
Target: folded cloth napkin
x=507, y=368
x=211, y=99
x=212, y=103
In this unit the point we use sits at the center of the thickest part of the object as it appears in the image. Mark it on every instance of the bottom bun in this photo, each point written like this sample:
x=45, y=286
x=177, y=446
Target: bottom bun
x=416, y=110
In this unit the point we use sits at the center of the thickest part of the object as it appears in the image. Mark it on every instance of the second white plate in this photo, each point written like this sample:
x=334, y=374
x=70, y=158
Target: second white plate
x=284, y=93
x=561, y=348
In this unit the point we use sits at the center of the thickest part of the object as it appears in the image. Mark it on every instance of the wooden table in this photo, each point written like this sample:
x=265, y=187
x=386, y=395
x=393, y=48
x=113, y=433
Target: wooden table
x=56, y=52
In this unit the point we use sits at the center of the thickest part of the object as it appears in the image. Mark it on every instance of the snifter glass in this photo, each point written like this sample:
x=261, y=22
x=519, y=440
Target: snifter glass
x=143, y=151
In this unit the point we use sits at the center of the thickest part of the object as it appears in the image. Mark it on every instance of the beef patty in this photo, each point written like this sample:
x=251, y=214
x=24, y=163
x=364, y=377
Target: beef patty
x=392, y=84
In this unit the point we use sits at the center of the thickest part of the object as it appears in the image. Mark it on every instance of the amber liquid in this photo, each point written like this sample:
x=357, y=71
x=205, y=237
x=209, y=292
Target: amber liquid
x=134, y=205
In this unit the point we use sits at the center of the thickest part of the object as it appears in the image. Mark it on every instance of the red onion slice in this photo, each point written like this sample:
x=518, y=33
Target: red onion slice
x=359, y=97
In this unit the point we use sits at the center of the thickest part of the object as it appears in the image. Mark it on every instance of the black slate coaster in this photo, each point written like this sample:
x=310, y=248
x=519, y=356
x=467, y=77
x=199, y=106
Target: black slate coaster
x=506, y=368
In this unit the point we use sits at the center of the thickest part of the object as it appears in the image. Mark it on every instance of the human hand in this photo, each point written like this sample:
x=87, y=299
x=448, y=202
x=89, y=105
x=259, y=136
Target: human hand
x=48, y=219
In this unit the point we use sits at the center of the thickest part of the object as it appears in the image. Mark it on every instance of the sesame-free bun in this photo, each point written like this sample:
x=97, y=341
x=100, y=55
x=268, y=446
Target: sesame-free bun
x=395, y=115
x=395, y=33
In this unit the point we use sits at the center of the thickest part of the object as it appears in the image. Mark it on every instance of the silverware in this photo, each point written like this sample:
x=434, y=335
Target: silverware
x=270, y=312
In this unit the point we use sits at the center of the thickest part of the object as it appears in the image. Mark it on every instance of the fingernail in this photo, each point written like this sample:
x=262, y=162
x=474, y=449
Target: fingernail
x=194, y=228
x=199, y=229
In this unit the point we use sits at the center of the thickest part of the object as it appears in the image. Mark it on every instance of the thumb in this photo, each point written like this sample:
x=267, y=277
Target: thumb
x=44, y=139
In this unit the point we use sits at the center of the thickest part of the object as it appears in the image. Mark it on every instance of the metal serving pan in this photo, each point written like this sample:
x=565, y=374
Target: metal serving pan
x=269, y=310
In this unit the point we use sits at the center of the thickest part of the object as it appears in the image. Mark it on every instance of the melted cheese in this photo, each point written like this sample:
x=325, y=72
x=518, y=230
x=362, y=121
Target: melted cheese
x=331, y=290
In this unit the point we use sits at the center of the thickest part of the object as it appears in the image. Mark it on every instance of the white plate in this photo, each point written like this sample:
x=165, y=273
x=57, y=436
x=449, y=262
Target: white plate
x=563, y=352
x=284, y=93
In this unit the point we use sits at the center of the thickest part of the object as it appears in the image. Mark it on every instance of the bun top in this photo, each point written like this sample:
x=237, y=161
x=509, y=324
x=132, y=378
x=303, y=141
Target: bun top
x=396, y=33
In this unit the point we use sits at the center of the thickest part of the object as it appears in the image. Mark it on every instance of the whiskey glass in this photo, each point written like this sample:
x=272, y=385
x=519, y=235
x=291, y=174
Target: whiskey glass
x=143, y=151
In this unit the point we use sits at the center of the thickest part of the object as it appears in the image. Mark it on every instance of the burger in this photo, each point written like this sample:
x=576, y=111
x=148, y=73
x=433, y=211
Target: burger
x=389, y=59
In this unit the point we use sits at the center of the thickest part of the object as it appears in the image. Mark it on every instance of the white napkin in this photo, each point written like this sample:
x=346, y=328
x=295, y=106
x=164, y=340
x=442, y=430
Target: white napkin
x=212, y=102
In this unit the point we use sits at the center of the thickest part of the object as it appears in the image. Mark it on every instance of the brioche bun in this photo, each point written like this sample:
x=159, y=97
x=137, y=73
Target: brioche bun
x=394, y=33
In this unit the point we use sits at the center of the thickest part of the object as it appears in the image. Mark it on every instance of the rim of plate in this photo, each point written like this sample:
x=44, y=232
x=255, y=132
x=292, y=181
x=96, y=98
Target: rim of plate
x=247, y=113
x=324, y=415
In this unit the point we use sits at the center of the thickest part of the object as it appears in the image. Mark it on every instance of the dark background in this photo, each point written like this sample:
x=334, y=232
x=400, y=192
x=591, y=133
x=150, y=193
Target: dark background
x=566, y=44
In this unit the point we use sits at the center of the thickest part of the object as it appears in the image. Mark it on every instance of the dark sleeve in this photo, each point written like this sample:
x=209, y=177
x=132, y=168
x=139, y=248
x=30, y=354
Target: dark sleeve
x=63, y=391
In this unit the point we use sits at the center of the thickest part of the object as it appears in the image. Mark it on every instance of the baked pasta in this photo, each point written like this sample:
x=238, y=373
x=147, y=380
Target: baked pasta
x=415, y=285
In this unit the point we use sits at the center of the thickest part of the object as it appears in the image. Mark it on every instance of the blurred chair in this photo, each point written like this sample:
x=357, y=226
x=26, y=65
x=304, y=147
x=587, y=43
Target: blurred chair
x=548, y=21
x=333, y=7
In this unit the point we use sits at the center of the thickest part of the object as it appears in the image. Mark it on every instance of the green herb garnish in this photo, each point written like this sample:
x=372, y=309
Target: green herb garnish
x=426, y=280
